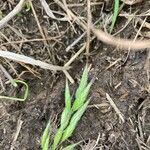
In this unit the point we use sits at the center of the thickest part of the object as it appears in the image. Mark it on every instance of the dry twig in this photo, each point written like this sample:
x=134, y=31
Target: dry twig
x=16, y=10
x=107, y=38
x=88, y=27
x=28, y=60
x=50, y=13
x=121, y=43
x=115, y=107
x=19, y=125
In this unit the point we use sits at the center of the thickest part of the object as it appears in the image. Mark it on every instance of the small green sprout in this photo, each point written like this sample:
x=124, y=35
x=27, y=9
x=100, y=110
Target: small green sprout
x=83, y=82
x=45, y=137
x=27, y=6
x=81, y=99
x=71, y=114
x=57, y=138
x=14, y=82
x=73, y=122
x=71, y=147
x=115, y=15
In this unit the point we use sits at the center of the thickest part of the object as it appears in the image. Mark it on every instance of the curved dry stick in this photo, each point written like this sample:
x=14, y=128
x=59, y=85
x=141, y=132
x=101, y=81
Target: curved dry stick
x=121, y=43
x=16, y=10
x=107, y=38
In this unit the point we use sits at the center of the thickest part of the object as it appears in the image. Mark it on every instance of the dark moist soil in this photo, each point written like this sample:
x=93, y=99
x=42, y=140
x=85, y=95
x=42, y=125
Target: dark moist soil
x=126, y=82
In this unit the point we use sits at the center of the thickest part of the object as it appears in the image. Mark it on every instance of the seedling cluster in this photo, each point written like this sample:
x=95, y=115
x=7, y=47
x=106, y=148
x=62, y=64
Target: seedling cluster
x=70, y=116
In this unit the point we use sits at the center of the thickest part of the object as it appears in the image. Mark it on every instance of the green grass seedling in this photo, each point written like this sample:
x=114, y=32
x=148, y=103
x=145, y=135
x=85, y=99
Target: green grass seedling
x=74, y=121
x=65, y=117
x=71, y=147
x=115, y=15
x=83, y=82
x=70, y=115
x=46, y=137
x=81, y=98
x=57, y=138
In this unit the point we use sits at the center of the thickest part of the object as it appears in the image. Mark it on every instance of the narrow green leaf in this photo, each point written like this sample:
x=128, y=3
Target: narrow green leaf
x=81, y=98
x=115, y=15
x=45, y=135
x=67, y=96
x=83, y=82
x=15, y=98
x=65, y=118
x=57, y=138
x=73, y=122
x=71, y=147
x=46, y=144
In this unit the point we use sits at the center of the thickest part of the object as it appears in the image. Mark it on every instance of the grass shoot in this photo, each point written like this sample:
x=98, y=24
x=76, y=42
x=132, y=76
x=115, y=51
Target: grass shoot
x=71, y=114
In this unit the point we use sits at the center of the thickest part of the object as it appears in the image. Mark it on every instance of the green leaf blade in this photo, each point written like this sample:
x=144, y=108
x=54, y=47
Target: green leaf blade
x=46, y=144
x=65, y=118
x=73, y=122
x=115, y=15
x=45, y=135
x=67, y=96
x=83, y=82
x=71, y=147
x=57, y=138
x=82, y=98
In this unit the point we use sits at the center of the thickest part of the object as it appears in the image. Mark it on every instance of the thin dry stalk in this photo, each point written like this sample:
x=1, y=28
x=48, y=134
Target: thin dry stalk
x=76, y=19
x=30, y=40
x=50, y=13
x=19, y=125
x=2, y=86
x=15, y=11
x=140, y=129
x=12, y=44
x=76, y=55
x=115, y=62
x=68, y=14
x=104, y=37
x=127, y=23
x=68, y=76
x=118, y=112
x=38, y=23
x=28, y=60
x=89, y=18
x=7, y=75
x=129, y=49
x=16, y=32
x=12, y=67
x=78, y=39
x=43, y=36
x=97, y=141
x=75, y=42
x=131, y=2
x=146, y=24
x=82, y=4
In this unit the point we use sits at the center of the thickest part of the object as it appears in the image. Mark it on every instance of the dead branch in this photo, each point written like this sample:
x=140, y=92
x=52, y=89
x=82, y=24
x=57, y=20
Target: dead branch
x=109, y=39
x=50, y=13
x=28, y=60
x=16, y=10
x=121, y=43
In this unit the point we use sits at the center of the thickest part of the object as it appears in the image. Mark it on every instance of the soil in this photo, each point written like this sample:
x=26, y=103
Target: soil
x=126, y=81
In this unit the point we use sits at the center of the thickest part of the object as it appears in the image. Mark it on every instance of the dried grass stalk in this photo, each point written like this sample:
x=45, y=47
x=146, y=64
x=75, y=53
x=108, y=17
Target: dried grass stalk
x=28, y=60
